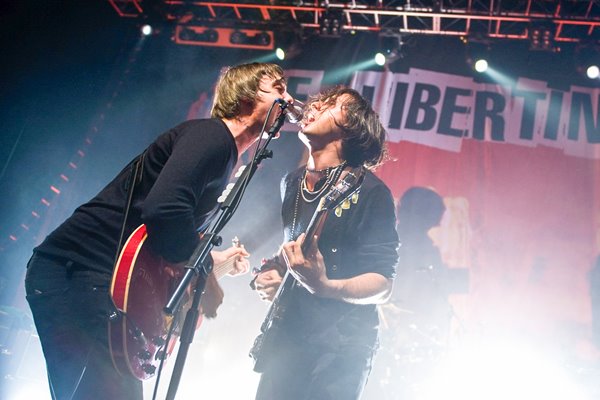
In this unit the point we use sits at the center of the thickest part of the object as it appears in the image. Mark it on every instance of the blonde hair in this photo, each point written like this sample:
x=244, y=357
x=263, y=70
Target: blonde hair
x=240, y=83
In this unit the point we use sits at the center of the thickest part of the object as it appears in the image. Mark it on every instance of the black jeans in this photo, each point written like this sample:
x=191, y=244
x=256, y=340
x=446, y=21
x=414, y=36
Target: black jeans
x=70, y=305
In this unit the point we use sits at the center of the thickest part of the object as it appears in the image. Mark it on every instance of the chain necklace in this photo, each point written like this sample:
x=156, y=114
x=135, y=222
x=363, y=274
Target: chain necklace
x=333, y=173
x=293, y=230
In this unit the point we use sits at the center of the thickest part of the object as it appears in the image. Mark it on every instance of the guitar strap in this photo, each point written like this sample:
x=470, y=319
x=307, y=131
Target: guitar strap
x=135, y=177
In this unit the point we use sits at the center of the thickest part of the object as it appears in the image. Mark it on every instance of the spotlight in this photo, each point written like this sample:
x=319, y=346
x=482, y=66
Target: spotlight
x=380, y=59
x=280, y=53
x=593, y=72
x=146, y=30
x=481, y=65
x=225, y=37
x=478, y=52
x=238, y=37
x=331, y=24
x=263, y=39
x=541, y=38
x=198, y=35
x=250, y=37
x=389, y=47
x=587, y=59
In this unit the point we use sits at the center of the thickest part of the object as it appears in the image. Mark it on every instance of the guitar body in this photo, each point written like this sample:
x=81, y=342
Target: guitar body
x=141, y=286
x=266, y=341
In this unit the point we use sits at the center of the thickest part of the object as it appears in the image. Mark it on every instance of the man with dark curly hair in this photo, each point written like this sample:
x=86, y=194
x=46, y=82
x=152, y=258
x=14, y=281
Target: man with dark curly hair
x=321, y=342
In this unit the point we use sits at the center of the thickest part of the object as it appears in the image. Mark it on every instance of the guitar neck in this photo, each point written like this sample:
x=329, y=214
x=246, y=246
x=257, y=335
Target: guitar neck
x=314, y=228
x=220, y=270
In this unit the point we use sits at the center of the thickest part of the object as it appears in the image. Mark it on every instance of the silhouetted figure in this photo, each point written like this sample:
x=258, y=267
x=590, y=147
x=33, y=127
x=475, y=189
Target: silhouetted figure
x=421, y=285
x=417, y=318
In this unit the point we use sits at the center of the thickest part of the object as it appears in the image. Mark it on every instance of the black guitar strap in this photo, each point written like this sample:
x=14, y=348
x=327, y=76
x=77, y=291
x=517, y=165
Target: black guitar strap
x=135, y=177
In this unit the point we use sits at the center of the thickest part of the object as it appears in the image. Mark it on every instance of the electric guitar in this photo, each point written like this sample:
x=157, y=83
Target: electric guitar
x=141, y=285
x=339, y=197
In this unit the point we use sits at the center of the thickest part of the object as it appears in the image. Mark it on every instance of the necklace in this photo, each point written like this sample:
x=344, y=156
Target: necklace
x=333, y=173
x=293, y=230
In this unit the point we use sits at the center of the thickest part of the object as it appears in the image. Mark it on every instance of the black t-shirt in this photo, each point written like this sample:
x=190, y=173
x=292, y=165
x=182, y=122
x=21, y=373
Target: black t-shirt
x=184, y=172
x=363, y=239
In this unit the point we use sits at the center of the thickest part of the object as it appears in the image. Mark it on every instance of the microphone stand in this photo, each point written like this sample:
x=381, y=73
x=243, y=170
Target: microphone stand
x=197, y=264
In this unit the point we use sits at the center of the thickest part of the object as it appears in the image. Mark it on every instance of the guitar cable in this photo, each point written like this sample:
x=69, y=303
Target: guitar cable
x=163, y=356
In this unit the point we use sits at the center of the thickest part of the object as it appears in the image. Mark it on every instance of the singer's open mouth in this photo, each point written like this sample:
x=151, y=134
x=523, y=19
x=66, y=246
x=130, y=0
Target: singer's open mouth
x=309, y=117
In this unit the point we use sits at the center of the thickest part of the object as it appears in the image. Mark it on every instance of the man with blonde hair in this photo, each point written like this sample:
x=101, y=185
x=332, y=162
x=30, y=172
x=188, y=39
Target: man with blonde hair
x=182, y=173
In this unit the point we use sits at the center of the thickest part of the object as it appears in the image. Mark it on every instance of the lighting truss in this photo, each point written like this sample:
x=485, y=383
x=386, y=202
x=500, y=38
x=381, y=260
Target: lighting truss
x=571, y=20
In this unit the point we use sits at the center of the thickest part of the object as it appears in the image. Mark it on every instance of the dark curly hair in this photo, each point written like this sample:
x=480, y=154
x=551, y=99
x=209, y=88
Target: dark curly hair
x=363, y=138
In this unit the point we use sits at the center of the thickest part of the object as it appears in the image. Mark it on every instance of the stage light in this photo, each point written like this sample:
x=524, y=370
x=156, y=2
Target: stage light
x=379, y=59
x=478, y=53
x=587, y=59
x=541, y=38
x=225, y=37
x=593, y=72
x=146, y=30
x=330, y=24
x=389, y=48
x=261, y=39
x=237, y=37
x=289, y=43
x=280, y=53
x=198, y=36
x=481, y=65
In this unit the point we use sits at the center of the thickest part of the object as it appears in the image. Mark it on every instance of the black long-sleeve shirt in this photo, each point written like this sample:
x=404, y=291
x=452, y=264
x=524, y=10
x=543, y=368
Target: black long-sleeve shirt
x=184, y=172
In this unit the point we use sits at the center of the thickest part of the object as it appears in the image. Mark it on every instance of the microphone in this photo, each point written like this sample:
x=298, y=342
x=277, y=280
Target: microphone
x=295, y=112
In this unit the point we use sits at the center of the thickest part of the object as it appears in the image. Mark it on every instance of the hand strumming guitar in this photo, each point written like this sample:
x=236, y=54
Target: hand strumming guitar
x=268, y=277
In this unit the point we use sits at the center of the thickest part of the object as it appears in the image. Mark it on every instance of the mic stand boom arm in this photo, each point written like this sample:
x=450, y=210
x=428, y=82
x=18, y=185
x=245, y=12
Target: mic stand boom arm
x=197, y=264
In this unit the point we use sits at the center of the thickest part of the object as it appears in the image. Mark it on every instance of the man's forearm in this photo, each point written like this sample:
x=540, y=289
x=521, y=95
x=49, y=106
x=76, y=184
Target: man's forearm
x=369, y=288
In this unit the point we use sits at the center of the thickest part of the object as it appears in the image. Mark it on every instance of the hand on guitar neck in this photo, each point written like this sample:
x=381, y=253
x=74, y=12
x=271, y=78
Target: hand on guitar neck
x=305, y=263
x=213, y=293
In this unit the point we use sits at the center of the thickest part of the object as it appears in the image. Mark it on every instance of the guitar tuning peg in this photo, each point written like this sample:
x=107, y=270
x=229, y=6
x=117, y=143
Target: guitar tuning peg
x=223, y=195
x=229, y=186
x=338, y=211
x=239, y=171
x=355, y=198
x=346, y=204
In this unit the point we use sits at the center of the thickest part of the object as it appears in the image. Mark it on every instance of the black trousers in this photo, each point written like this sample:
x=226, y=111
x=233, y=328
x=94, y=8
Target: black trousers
x=296, y=372
x=70, y=306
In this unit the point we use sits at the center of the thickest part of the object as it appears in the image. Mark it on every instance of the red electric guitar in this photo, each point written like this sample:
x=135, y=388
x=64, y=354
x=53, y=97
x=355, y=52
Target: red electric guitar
x=141, y=286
